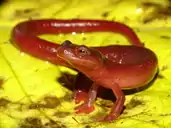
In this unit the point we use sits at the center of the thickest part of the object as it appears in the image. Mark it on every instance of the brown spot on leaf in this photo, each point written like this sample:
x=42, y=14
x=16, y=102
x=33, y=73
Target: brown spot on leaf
x=154, y=11
x=4, y=102
x=105, y=103
x=126, y=19
x=165, y=37
x=153, y=121
x=1, y=82
x=68, y=97
x=52, y=124
x=26, y=13
x=61, y=114
x=105, y=14
x=49, y=102
x=84, y=38
x=134, y=103
x=32, y=122
x=36, y=106
x=87, y=126
x=165, y=67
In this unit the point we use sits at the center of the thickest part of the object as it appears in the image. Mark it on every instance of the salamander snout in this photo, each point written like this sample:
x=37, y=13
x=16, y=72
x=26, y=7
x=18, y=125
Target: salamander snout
x=66, y=49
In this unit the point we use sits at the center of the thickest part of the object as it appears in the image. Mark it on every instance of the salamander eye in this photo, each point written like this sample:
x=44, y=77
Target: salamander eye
x=82, y=51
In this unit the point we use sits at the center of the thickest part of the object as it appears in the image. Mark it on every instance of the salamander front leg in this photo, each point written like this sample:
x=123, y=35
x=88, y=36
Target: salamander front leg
x=118, y=106
x=87, y=106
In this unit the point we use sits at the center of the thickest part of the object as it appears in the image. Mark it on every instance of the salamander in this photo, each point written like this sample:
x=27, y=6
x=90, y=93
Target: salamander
x=114, y=67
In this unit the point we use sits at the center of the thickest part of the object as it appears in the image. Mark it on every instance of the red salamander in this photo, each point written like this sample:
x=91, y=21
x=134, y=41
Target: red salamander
x=115, y=67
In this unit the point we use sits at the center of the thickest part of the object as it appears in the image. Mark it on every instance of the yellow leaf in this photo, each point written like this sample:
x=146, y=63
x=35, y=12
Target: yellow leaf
x=32, y=96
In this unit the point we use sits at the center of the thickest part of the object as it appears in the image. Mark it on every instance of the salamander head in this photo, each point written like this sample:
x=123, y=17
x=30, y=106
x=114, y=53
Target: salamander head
x=80, y=57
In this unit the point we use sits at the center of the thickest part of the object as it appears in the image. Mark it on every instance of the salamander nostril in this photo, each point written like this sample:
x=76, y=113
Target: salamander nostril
x=66, y=43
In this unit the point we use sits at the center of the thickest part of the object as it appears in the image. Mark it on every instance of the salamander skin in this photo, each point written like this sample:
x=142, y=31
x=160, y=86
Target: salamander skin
x=125, y=58
x=135, y=67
